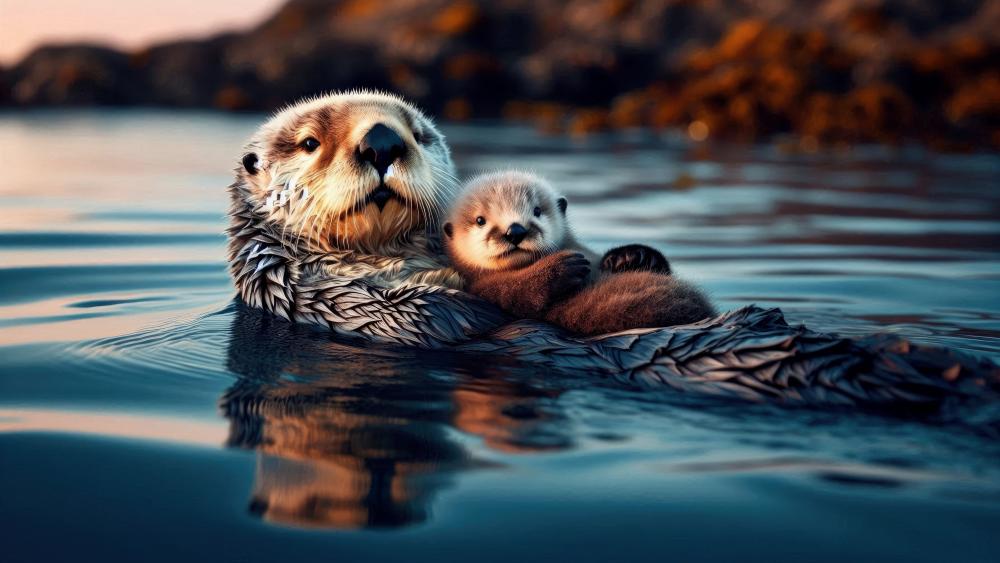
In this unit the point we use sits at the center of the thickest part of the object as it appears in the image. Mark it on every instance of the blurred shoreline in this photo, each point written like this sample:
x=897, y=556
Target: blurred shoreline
x=819, y=72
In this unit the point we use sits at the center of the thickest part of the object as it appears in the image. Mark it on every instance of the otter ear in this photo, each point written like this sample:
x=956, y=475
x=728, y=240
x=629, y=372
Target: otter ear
x=250, y=163
x=449, y=230
x=562, y=203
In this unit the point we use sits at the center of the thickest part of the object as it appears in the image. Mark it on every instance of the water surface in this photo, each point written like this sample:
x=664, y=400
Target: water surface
x=145, y=416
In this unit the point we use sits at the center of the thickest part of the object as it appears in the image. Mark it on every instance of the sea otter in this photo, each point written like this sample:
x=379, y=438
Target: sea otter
x=333, y=220
x=334, y=216
x=509, y=236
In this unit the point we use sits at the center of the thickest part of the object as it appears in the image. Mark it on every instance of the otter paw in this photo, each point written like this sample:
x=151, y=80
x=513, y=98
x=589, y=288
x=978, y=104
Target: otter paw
x=632, y=257
x=565, y=273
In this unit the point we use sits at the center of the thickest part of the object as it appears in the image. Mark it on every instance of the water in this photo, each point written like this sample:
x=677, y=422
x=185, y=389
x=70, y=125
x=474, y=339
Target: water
x=144, y=416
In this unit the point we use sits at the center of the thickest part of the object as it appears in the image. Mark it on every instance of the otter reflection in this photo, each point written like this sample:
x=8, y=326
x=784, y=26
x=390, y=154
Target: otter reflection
x=348, y=436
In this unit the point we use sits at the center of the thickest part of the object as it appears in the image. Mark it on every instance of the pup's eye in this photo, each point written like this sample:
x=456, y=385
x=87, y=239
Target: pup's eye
x=310, y=144
x=480, y=220
x=538, y=211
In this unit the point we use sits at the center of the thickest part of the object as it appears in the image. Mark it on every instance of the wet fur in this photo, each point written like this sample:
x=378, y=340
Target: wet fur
x=322, y=257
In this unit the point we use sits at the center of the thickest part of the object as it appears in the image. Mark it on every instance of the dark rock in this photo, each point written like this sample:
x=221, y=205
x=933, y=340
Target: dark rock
x=74, y=75
x=830, y=71
x=187, y=74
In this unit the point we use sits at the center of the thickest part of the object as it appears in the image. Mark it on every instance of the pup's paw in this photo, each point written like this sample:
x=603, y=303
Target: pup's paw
x=632, y=257
x=566, y=273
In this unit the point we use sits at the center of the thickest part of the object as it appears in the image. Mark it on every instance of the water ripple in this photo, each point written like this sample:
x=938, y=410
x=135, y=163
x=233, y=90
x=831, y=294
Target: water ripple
x=82, y=240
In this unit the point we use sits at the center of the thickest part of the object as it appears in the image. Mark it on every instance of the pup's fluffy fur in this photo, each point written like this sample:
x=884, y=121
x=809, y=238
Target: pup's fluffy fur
x=547, y=275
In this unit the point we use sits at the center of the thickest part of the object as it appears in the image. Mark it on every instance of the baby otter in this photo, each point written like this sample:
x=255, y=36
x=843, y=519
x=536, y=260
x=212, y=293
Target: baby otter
x=509, y=237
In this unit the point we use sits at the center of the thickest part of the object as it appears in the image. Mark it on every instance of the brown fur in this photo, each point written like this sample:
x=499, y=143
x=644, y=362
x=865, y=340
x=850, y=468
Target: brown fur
x=617, y=302
x=530, y=291
x=554, y=289
x=550, y=278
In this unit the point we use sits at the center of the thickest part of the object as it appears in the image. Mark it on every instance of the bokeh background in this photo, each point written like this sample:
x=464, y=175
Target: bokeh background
x=833, y=158
x=826, y=72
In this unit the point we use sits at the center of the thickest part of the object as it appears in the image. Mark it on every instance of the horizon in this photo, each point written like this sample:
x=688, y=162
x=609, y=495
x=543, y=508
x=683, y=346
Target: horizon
x=120, y=25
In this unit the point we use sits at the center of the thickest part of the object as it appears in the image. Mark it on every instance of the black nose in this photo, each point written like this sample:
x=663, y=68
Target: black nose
x=381, y=147
x=515, y=234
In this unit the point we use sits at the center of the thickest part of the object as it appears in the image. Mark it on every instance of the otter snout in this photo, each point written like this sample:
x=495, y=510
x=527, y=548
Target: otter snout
x=380, y=147
x=515, y=234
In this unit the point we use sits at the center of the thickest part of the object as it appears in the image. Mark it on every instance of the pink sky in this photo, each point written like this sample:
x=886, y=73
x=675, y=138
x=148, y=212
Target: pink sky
x=123, y=23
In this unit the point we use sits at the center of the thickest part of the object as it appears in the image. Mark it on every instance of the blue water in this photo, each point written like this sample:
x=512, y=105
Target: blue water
x=144, y=416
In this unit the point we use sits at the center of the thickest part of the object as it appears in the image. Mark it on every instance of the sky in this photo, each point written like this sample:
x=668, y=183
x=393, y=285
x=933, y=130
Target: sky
x=24, y=24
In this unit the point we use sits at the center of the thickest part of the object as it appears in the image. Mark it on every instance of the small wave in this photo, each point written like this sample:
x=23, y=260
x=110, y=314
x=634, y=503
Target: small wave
x=158, y=216
x=18, y=285
x=192, y=345
x=82, y=240
x=99, y=303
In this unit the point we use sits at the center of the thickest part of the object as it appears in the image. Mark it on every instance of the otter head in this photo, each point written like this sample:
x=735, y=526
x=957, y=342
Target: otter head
x=505, y=220
x=357, y=171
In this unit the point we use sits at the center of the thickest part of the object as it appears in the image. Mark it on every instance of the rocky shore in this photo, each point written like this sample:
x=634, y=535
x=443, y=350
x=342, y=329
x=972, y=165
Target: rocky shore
x=821, y=72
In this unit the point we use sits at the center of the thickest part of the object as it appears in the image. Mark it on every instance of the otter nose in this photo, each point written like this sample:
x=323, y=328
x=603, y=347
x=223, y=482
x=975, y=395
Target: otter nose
x=515, y=234
x=380, y=147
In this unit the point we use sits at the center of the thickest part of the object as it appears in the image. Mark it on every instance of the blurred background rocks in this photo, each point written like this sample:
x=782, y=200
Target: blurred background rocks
x=820, y=72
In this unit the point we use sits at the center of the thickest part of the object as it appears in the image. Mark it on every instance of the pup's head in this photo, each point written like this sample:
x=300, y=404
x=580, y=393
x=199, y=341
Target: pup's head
x=505, y=220
x=355, y=170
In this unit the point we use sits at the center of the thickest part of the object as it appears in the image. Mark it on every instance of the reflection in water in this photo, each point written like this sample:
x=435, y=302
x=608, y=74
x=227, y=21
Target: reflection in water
x=348, y=437
x=323, y=461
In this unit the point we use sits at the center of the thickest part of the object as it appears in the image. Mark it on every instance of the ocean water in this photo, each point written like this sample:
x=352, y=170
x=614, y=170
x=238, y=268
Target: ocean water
x=144, y=416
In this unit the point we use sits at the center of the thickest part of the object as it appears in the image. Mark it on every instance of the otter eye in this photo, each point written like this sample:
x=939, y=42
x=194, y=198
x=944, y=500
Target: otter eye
x=538, y=211
x=480, y=220
x=250, y=163
x=310, y=144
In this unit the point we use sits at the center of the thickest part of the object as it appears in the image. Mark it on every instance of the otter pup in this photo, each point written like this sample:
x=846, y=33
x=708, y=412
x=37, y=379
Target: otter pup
x=509, y=237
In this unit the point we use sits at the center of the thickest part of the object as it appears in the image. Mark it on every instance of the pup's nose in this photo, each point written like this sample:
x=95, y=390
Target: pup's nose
x=380, y=147
x=515, y=234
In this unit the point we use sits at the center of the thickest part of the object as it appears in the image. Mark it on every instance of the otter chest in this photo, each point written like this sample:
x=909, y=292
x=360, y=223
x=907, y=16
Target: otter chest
x=383, y=271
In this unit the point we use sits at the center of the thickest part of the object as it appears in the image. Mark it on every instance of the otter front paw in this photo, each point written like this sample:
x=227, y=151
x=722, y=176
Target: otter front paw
x=562, y=274
x=632, y=257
